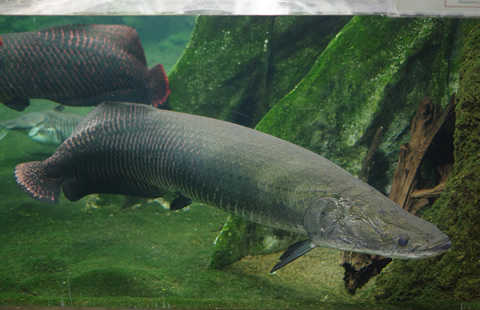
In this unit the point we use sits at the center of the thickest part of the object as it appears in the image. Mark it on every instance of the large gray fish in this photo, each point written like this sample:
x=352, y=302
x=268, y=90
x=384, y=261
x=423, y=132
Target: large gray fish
x=137, y=150
x=49, y=127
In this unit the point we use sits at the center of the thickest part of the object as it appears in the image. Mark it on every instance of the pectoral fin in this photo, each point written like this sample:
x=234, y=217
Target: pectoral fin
x=45, y=135
x=34, y=131
x=294, y=251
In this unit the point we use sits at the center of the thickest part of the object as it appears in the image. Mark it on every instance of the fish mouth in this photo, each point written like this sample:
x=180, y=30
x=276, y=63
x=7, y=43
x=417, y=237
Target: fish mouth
x=441, y=247
x=433, y=251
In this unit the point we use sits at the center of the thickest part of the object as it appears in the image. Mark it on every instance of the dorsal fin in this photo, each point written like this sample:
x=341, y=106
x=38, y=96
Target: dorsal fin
x=59, y=108
x=118, y=36
x=109, y=111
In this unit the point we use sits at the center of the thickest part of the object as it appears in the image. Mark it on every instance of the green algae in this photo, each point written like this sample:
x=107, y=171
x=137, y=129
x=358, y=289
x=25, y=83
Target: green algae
x=455, y=275
x=146, y=257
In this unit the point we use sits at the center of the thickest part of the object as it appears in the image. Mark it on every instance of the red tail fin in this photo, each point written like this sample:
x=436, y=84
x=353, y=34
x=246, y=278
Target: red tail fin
x=31, y=177
x=158, y=86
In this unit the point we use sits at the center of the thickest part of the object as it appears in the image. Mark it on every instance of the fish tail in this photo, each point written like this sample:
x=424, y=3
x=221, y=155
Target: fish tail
x=34, y=180
x=158, y=86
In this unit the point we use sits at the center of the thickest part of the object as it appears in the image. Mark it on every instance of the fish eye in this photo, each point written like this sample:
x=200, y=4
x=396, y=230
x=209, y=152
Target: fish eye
x=403, y=241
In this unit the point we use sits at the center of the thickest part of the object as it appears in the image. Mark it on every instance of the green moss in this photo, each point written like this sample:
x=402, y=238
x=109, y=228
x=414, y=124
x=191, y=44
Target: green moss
x=374, y=73
x=113, y=281
x=454, y=275
x=233, y=243
x=236, y=68
x=239, y=238
x=145, y=257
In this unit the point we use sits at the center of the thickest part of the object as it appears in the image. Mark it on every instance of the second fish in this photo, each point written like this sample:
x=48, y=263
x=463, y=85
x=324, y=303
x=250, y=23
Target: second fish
x=78, y=65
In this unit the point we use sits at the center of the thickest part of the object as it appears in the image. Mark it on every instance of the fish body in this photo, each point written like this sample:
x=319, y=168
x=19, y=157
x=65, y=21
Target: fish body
x=78, y=65
x=49, y=127
x=136, y=150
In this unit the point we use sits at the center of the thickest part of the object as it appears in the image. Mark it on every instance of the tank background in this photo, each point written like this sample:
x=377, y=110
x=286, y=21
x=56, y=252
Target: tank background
x=143, y=257
x=454, y=275
x=373, y=73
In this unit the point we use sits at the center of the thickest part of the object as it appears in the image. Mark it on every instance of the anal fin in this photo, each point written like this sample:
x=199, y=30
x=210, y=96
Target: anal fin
x=74, y=189
x=17, y=104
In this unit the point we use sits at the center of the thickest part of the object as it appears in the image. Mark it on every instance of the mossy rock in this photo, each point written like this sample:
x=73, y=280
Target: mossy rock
x=237, y=68
x=456, y=274
x=239, y=238
x=373, y=73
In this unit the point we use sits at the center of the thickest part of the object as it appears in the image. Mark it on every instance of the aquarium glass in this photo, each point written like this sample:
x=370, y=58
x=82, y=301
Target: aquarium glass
x=323, y=75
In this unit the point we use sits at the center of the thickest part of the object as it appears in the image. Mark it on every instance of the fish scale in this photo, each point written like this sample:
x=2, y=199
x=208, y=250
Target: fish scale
x=78, y=65
x=130, y=136
x=133, y=149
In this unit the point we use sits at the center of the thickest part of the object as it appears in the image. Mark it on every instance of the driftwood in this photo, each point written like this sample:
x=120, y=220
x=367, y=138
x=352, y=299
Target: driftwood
x=406, y=187
x=432, y=138
x=369, y=162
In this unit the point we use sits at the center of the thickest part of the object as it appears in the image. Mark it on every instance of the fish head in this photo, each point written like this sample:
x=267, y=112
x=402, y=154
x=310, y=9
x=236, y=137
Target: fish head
x=45, y=135
x=26, y=121
x=379, y=228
